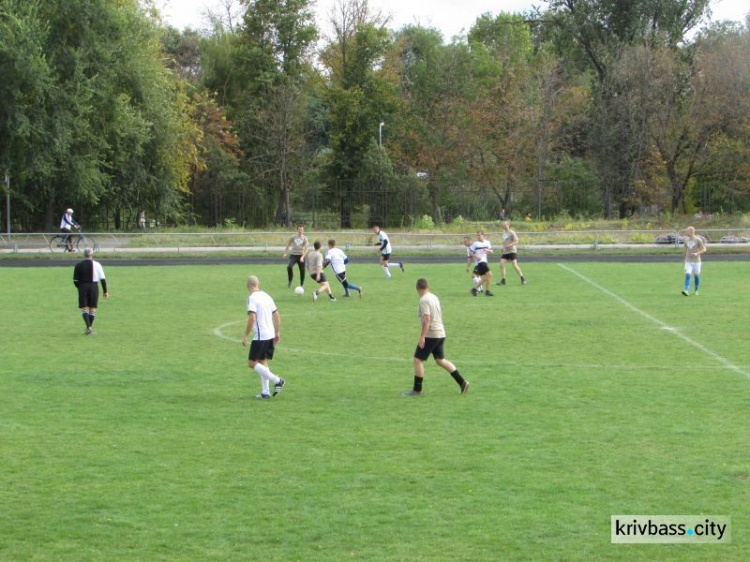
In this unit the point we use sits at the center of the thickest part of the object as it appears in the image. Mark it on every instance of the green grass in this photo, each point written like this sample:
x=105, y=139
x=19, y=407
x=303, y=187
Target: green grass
x=144, y=443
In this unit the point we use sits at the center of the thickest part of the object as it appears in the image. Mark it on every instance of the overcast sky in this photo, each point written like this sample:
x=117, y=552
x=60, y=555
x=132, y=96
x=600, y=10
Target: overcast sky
x=449, y=16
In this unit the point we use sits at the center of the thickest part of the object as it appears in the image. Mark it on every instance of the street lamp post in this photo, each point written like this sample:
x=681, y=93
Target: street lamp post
x=380, y=165
x=380, y=134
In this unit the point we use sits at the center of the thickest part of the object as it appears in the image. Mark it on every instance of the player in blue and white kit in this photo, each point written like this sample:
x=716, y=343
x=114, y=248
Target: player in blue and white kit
x=338, y=260
x=385, y=252
x=264, y=323
x=479, y=250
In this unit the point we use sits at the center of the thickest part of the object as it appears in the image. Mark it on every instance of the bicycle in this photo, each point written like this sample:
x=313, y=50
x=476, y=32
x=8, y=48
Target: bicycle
x=78, y=240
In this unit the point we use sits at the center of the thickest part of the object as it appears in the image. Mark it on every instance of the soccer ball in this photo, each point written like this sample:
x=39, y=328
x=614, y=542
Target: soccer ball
x=299, y=290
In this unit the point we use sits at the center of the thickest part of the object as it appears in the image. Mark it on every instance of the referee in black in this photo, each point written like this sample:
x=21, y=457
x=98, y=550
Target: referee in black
x=86, y=277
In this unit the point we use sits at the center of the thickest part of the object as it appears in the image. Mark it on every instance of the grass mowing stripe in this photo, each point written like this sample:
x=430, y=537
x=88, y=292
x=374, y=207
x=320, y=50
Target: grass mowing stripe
x=723, y=360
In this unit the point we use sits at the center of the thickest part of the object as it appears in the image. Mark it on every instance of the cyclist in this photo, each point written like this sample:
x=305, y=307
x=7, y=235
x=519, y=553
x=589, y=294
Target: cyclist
x=67, y=225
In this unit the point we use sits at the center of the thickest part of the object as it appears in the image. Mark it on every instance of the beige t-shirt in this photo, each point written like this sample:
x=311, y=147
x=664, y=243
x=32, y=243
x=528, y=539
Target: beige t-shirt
x=511, y=238
x=313, y=260
x=297, y=245
x=694, y=244
x=429, y=305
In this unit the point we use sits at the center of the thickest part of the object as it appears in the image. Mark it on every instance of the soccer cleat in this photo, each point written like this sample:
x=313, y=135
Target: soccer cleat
x=474, y=292
x=696, y=293
x=262, y=396
x=347, y=295
x=332, y=299
x=686, y=293
x=88, y=332
x=278, y=386
x=402, y=266
x=315, y=296
x=501, y=282
x=523, y=281
x=465, y=387
x=289, y=285
x=489, y=294
x=411, y=393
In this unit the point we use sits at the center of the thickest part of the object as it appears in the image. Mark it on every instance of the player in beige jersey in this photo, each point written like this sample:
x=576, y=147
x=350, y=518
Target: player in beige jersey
x=431, y=340
x=694, y=248
x=510, y=241
x=298, y=244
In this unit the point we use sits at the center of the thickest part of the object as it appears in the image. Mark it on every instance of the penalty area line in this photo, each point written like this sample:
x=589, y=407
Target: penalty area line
x=723, y=360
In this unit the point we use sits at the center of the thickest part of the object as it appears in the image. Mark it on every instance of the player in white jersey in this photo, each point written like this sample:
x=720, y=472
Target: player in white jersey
x=475, y=279
x=694, y=248
x=385, y=252
x=479, y=251
x=338, y=260
x=264, y=323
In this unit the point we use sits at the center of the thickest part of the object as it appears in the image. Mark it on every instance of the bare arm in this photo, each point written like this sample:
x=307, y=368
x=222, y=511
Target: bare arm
x=425, y=329
x=277, y=326
x=248, y=326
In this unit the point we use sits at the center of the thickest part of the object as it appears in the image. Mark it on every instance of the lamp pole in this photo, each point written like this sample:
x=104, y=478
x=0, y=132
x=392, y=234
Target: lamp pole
x=380, y=134
x=7, y=199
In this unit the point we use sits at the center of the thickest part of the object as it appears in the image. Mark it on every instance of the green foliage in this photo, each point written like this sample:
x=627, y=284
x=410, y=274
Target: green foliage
x=424, y=222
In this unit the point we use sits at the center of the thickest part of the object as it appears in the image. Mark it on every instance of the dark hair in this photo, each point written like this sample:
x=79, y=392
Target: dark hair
x=331, y=242
x=422, y=284
x=317, y=245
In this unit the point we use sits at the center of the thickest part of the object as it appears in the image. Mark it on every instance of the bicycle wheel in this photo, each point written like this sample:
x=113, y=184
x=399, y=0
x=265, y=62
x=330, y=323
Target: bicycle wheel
x=85, y=242
x=57, y=244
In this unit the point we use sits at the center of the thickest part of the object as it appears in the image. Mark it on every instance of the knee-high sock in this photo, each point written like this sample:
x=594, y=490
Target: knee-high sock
x=387, y=273
x=265, y=375
x=86, y=319
x=687, y=282
x=92, y=317
x=697, y=282
x=301, y=274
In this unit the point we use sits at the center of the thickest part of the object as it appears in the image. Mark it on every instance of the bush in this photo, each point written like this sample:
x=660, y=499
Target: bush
x=424, y=222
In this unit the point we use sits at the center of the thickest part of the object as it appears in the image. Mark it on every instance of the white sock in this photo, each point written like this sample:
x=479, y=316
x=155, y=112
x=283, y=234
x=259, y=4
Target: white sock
x=387, y=273
x=265, y=376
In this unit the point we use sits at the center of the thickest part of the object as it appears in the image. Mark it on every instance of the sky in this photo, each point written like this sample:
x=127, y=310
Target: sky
x=451, y=17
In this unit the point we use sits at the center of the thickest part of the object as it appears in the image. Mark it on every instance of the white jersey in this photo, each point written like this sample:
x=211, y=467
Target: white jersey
x=337, y=259
x=263, y=306
x=480, y=250
x=98, y=272
x=383, y=238
x=67, y=222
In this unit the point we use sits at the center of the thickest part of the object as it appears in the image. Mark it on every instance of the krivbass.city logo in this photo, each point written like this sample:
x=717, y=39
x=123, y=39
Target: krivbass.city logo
x=683, y=529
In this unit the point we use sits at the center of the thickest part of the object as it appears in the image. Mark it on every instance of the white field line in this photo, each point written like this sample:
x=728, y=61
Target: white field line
x=723, y=360
x=219, y=333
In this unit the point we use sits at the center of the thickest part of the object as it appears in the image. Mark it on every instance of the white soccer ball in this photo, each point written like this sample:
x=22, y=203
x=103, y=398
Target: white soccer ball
x=299, y=290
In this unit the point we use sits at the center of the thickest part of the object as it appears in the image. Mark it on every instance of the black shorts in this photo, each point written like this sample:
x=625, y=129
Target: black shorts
x=509, y=257
x=88, y=295
x=385, y=257
x=261, y=350
x=294, y=258
x=481, y=268
x=431, y=345
x=341, y=276
x=322, y=277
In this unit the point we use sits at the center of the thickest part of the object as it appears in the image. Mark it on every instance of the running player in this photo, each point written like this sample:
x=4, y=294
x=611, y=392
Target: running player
x=338, y=260
x=315, y=269
x=479, y=249
x=510, y=241
x=385, y=252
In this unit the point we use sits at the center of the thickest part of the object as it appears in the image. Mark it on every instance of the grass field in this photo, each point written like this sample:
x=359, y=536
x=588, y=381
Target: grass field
x=597, y=389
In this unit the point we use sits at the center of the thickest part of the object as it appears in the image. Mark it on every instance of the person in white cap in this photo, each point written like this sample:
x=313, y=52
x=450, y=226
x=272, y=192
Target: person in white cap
x=67, y=225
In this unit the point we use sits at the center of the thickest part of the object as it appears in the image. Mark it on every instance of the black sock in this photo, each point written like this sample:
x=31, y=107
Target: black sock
x=301, y=274
x=92, y=317
x=86, y=319
x=290, y=273
x=330, y=296
x=418, y=384
x=458, y=378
